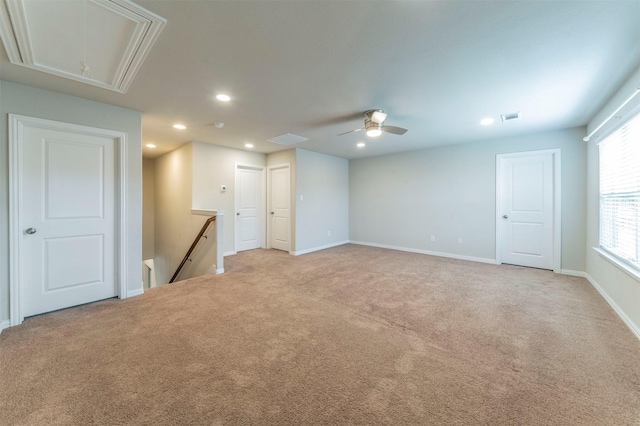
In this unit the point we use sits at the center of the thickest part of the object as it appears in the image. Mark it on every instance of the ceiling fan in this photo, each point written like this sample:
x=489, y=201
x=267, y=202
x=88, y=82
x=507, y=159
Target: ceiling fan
x=373, y=124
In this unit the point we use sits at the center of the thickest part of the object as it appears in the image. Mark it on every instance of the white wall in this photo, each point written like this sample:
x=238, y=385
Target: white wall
x=400, y=200
x=30, y=101
x=620, y=289
x=148, y=201
x=214, y=166
x=322, y=200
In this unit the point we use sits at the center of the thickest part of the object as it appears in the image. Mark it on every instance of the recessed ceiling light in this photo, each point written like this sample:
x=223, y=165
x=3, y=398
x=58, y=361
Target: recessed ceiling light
x=223, y=97
x=361, y=144
x=248, y=145
x=487, y=121
x=150, y=145
x=179, y=126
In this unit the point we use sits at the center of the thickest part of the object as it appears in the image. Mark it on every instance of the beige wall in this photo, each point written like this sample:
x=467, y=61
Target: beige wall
x=148, y=201
x=173, y=218
x=33, y=102
x=189, y=178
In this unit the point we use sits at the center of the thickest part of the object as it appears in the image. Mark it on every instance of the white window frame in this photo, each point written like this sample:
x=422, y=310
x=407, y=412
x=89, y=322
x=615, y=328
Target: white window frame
x=629, y=265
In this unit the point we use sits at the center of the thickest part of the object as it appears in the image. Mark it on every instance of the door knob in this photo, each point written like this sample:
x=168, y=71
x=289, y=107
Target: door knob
x=238, y=214
x=30, y=231
x=505, y=217
x=272, y=212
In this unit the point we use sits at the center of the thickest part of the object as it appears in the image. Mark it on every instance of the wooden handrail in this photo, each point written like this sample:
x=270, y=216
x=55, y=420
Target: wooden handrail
x=193, y=246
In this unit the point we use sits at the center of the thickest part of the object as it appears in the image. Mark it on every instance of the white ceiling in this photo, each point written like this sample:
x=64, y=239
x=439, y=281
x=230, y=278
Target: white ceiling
x=312, y=67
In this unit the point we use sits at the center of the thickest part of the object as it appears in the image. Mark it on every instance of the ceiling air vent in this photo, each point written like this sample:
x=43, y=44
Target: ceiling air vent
x=509, y=117
x=288, y=139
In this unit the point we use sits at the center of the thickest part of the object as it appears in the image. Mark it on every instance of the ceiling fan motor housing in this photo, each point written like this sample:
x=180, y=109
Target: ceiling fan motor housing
x=370, y=125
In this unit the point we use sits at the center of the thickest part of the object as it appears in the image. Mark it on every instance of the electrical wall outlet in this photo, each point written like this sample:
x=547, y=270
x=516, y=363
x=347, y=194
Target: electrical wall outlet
x=459, y=241
x=433, y=238
x=328, y=233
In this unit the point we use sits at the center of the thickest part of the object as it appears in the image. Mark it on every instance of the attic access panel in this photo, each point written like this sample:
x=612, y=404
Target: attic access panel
x=112, y=37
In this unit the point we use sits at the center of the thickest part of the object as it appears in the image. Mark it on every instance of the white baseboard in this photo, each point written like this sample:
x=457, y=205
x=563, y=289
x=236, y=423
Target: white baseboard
x=573, y=273
x=4, y=324
x=633, y=327
x=136, y=292
x=230, y=253
x=430, y=253
x=311, y=250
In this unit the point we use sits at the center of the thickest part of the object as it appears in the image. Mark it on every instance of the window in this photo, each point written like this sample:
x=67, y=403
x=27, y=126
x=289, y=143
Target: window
x=620, y=193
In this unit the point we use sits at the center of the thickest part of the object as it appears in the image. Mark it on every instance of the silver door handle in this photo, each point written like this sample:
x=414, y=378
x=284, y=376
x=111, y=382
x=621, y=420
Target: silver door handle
x=272, y=212
x=505, y=217
x=238, y=214
x=30, y=231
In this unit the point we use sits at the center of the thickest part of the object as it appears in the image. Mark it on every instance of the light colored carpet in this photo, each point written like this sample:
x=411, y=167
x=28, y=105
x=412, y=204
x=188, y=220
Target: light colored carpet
x=349, y=335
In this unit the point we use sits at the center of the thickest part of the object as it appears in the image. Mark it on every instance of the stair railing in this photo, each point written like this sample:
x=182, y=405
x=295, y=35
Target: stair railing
x=193, y=246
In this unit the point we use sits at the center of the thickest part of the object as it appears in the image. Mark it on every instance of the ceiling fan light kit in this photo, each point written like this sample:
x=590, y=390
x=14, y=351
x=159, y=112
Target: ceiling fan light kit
x=373, y=129
x=373, y=124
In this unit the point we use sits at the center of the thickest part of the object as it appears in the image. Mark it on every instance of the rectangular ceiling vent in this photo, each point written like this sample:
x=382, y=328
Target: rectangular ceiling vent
x=98, y=42
x=509, y=117
x=288, y=139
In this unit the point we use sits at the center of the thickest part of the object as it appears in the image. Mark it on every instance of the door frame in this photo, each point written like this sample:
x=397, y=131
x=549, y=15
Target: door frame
x=557, y=202
x=16, y=139
x=262, y=211
x=270, y=168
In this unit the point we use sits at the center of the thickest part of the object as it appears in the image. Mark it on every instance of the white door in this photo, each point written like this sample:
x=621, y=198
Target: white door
x=280, y=208
x=68, y=209
x=526, y=209
x=249, y=212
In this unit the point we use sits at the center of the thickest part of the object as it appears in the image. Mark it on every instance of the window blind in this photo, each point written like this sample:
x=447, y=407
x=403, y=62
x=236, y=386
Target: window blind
x=620, y=192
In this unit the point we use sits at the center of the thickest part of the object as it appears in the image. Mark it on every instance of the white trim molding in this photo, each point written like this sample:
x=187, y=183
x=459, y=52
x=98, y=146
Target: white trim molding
x=429, y=253
x=207, y=212
x=16, y=135
x=632, y=272
x=617, y=309
x=262, y=211
x=557, y=203
x=129, y=54
x=4, y=324
x=268, y=204
x=573, y=273
x=136, y=292
x=311, y=250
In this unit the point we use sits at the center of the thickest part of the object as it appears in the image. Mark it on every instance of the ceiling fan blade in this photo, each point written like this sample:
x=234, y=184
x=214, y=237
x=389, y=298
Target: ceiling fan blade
x=351, y=131
x=336, y=119
x=395, y=130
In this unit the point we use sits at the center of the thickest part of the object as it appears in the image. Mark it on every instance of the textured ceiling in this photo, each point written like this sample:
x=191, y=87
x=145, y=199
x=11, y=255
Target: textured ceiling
x=312, y=67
